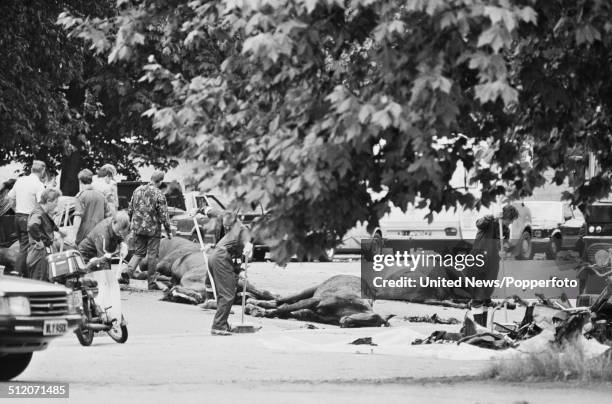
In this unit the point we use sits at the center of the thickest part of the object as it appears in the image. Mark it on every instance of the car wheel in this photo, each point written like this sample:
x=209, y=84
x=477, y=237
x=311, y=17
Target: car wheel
x=525, y=247
x=259, y=255
x=553, y=248
x=12, y=365
x=328, y=255
x=303, y=257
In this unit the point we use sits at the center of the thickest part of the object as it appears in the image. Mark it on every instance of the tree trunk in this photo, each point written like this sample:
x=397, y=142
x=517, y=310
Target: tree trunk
x=71, y=165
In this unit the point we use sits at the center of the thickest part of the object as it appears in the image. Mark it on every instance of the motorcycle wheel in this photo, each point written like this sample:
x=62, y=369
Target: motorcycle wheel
x=119, y=333
x=84, y=336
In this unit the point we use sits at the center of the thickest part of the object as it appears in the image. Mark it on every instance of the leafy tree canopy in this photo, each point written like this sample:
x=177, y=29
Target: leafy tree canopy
x=57, y=98
x=328, y=111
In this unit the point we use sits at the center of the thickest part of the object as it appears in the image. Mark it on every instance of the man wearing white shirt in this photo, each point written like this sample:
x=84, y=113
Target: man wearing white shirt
x=25, y=194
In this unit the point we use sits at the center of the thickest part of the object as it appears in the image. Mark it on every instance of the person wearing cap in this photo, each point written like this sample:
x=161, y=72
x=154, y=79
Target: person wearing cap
x=24, y=197
x=91, y=207
x=106, y=184
x=106, y=237
x=222, y=264
x=148, y=210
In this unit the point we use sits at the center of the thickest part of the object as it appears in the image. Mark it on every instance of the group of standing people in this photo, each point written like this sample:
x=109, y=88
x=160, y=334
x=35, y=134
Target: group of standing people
x=98, y=227
x=35, y=205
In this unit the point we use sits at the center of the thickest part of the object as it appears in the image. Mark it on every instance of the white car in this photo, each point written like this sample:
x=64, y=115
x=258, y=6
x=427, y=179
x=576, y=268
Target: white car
x=556, y=226
x=453, y=229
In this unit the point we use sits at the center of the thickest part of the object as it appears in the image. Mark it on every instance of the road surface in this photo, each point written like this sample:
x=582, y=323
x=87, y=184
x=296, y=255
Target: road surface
x=171, y=357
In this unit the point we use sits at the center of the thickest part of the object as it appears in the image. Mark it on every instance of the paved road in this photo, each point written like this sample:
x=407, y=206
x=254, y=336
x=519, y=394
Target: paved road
x=171, y=355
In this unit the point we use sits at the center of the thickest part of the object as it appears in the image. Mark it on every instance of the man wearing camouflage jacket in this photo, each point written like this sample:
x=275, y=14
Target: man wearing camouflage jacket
x=148, y=210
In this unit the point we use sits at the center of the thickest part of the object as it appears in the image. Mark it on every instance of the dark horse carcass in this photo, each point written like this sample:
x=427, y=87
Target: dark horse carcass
x=337, y=301
x=184, y=263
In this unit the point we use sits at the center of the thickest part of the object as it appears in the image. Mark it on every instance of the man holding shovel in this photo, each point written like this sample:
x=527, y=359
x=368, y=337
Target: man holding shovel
x=221, y=262
x=487, y=243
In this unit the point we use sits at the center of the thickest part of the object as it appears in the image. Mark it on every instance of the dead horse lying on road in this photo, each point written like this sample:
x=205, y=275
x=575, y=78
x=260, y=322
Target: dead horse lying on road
x=182, y=260
x=336, y=301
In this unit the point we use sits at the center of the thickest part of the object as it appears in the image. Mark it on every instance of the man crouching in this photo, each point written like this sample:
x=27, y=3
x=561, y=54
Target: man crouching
x=104, y=239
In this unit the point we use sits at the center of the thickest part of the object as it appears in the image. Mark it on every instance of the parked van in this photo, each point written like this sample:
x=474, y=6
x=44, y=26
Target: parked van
x=450, y=230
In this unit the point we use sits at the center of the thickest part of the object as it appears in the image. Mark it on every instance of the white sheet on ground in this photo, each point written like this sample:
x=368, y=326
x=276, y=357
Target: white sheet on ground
x=397, y=341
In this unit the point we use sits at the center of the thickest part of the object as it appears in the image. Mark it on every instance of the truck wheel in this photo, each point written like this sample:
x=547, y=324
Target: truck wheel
x=11, y=365
x=525, y=247
x=328, y=255
x=553, y=248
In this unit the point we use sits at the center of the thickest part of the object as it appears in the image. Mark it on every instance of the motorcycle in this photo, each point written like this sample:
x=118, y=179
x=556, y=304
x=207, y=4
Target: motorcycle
x=99, y=296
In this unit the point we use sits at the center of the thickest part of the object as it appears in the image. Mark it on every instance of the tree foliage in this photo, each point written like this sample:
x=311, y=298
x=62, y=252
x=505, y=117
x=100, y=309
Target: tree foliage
x=58, y=99
x=328, y=111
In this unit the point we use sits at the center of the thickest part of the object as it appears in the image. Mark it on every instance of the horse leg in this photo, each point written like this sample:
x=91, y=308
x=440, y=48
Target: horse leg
x=287, y=309
x=260, y=294
x=264, y=304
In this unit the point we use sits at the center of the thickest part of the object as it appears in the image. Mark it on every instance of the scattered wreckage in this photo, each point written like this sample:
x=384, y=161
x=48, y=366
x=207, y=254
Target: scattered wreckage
x=564, y=323
x=339, y=301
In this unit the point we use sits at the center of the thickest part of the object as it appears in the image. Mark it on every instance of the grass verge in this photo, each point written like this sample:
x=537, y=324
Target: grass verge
x=566, y=363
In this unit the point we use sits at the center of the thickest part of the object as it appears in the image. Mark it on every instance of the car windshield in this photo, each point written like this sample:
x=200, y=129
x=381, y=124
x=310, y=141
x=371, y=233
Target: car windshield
x=599, y=213
x=545, y=210
x=201, y=202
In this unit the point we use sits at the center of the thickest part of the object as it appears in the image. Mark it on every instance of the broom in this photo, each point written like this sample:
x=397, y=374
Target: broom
x=244, y=328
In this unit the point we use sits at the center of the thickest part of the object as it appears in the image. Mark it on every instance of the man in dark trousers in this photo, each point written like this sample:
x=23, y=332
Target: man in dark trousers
x=487, y=243
x=90, y=208
x=148, y=210
x=24, y=196
x=41, y=228
x=222, y=265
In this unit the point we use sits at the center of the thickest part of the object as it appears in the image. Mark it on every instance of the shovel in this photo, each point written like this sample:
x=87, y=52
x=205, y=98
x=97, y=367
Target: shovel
x=502, y=265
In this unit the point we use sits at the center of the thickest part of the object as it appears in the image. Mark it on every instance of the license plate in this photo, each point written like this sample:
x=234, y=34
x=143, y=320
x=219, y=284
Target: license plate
x=416, y=233
x=55, y=327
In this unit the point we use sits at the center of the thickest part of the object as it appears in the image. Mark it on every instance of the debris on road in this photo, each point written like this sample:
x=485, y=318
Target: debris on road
x=434, y=319
x=363, y=341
